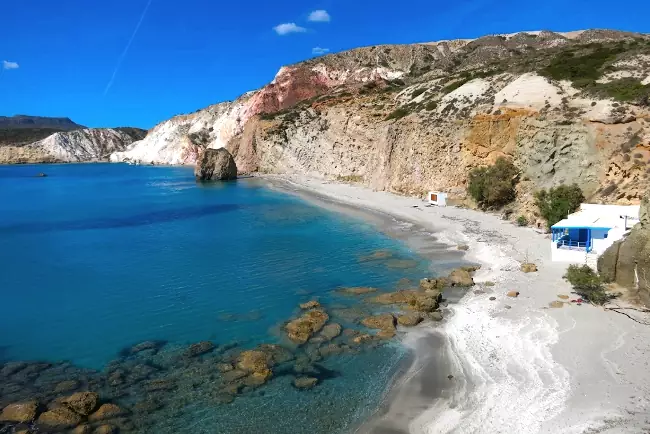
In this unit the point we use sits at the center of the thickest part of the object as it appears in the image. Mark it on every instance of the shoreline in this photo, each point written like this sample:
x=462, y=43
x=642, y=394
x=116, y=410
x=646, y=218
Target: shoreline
x=518, y=366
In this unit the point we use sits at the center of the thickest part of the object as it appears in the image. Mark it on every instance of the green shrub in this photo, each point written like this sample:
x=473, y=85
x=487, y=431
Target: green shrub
x=455, y=85
x=493, y=186
x=417, y=92
x=587, y=284
x=567, y=66
x=557, y=203
x=397, y=114
x=522, y=221
x=431, y=105
x=624, y=89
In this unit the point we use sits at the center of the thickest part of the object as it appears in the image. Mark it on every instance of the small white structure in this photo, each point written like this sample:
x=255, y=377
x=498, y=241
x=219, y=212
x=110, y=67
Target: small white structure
x=585, y=235
x=437, y=198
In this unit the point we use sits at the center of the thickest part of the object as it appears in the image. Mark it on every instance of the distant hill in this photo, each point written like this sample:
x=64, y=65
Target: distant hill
x=40, y=122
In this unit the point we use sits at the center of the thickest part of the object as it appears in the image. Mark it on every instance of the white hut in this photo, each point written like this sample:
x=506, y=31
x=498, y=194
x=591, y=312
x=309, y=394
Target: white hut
x=437, y=198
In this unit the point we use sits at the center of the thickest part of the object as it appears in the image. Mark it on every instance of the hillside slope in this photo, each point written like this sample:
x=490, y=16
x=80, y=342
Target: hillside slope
x=82, y=145
x=565, y=107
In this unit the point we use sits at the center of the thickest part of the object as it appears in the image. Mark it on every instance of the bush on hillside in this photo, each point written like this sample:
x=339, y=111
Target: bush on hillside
x=588, y=284
x=557, y=203
x=522, y=221
x=493, y=186
x=587, y=67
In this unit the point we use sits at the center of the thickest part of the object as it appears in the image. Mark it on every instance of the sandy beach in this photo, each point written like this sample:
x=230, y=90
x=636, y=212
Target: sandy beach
x=514, y=365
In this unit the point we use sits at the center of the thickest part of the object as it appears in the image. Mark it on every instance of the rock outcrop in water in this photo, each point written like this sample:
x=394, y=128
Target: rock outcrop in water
x=627, y=262
x=414, y=118
x=215, y=165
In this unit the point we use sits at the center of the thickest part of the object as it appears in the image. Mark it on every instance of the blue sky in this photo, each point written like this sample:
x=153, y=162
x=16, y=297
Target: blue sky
x=61, y=57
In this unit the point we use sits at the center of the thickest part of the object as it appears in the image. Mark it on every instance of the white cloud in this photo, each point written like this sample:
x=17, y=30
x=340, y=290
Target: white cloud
x=319, y=51
x=9, y=65
x=286, y=28
x=319, y=16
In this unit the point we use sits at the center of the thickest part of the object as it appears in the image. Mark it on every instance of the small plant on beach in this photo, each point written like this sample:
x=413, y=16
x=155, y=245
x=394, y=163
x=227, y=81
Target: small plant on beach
x=493, y=186
x=588, y=284
x=522, y=221
x=557, y=203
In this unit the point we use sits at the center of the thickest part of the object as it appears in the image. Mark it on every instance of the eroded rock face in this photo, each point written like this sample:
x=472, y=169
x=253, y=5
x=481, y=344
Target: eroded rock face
x=215, y=165
x=629, y=259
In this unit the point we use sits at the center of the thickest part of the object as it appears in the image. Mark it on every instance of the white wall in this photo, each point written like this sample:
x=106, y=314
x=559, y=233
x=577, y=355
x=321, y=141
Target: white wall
x=566, y=255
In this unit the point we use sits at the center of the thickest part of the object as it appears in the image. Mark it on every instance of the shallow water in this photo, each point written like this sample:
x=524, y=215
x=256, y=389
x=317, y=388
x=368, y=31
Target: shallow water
x=96, y=258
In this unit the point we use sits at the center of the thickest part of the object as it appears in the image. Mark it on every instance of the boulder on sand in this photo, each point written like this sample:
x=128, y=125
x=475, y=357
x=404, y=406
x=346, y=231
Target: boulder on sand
x=528, y=267
x=215, y=165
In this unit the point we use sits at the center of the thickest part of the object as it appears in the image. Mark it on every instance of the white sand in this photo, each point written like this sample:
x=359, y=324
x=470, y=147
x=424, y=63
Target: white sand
x=527, y=369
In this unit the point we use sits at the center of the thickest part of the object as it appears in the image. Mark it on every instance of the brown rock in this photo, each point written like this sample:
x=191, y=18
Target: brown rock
x=556, y=304
x=230, y=376
x=386, y=334
x=410, y=319
x=434, y=284
x=435, y=316
x=278, y=353
x=82, y=403
x=215, y=165
x=528, y=267
x=397, y=297
x=310, y=305
x=59, y=418
x=513, y=294
x=463, y=247
x=82, y=429
x=425, y=302
x=330, y=331
x=20, y=412
x=105, y=429
x=66, y=386
x=106, y=411
x=384, y=321
x=258, y=378
x=357, y=290
x=199, y=349
x=301, y=329
x=563, y=296
x=253, y=361
x=460, y=277
x=361, y=339
x=305, y=382
x=224, y=367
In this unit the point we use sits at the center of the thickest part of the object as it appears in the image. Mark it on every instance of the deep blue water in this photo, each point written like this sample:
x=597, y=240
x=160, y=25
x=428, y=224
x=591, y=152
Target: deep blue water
x=98, y=257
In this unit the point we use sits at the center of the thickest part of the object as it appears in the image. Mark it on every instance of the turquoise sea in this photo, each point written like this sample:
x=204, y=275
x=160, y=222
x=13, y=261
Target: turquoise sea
x=96, y=258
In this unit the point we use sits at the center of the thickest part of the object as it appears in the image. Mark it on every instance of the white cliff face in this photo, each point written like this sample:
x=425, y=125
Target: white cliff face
x=179, y=140
x=92, y=144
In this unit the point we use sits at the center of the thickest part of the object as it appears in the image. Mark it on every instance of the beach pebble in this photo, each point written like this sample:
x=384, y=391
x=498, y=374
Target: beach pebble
x=508, y=306
x=513, y=294
x=451, y=377
x=463, y=247
x=563, y=296
x=528, y=267
x=479, y=292
x=492, y=298
x=556, y=304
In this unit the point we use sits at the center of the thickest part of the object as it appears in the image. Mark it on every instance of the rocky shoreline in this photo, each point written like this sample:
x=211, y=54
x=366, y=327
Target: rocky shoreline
x=152, y=378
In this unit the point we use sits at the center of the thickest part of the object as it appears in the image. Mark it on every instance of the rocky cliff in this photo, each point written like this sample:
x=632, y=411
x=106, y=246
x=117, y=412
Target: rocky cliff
x=627, y=262
x=565, y=107
x=93, y=144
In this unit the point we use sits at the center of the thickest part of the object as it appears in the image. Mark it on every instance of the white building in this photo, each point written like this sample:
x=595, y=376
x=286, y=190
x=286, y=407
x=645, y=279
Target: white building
x=585, y=235
x=437, y=198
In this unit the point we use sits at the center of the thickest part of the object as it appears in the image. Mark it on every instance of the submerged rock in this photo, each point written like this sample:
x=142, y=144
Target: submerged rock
x=384, y=321
x=215, y=165
x=309, y=305
x=82, y=403
x=19, y=412
x=199, y=349
x=376, y=255
x=357, y=290
x=106, y=411
x=301, y=329
x=105, y=429
x=254, y=361
x=305, y=382
x=59, y=418
x=330, y=331
x=82, y=429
